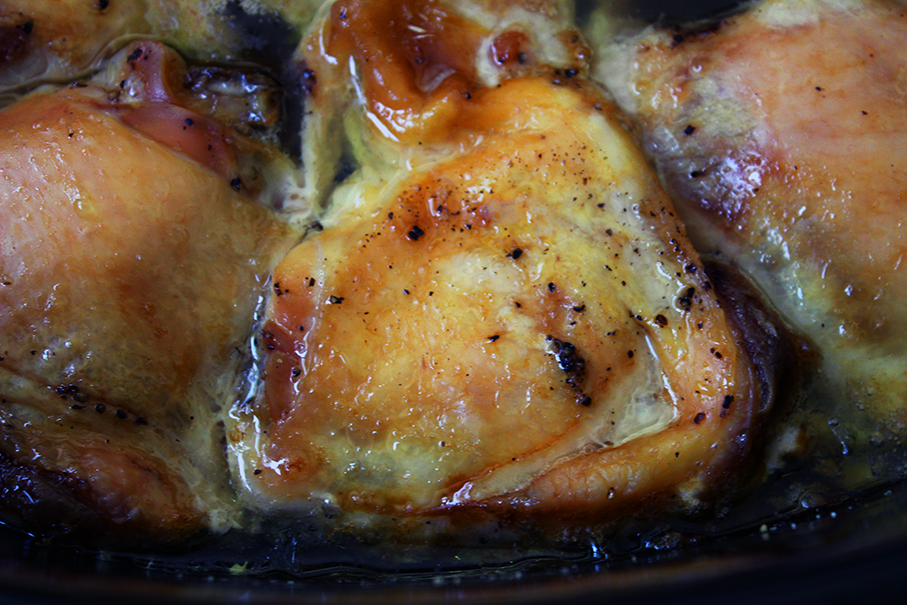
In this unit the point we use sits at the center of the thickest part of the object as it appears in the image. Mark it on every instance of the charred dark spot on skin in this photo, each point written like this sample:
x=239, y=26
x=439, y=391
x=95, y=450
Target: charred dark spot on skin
x=415, y=233
x=564, y=77
x=269, y=342
x=699, y=418
x=569, y=360
x=67, y=391
x=685, y=300
x=134, y=55
x=726, y=405
x=515, y=254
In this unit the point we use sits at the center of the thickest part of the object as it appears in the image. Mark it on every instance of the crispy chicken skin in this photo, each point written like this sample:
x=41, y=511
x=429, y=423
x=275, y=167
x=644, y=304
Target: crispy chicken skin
x=782, y=135
x=132, y=255
x=502, y=314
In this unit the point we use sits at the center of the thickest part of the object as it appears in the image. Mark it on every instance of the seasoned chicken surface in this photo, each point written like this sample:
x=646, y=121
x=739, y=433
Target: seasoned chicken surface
x=502, y=315
x=132, y=256
x=782, y=135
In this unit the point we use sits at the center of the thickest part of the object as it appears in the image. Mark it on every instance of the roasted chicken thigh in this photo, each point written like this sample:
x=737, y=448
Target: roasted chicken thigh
x=782, y=135
x=500, y=313
x=132, y=256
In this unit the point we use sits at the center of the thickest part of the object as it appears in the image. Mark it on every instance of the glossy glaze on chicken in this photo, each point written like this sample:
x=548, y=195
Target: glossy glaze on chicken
x=414, y=278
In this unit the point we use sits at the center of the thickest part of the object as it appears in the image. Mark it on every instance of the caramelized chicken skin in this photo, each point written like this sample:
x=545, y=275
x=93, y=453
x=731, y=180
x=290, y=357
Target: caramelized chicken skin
x=132, y=256
x=502, y=312
x=782, y=135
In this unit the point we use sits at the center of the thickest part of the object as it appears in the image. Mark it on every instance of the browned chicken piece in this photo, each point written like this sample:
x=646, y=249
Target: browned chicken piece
x=132, y=257
x=782, y=135
x=503, y=317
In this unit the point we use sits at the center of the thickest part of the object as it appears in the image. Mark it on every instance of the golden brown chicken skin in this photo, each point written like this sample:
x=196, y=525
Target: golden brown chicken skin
x=132, y=254
x=782, y=134
x=502, y=316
